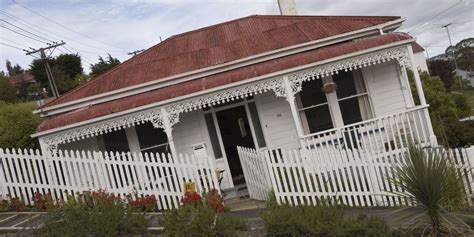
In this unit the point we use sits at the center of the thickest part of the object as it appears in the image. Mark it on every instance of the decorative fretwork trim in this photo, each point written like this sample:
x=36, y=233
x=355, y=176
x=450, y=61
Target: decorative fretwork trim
x=275, y=84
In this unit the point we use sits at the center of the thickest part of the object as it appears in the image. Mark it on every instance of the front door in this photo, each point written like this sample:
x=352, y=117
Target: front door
x=235, y=131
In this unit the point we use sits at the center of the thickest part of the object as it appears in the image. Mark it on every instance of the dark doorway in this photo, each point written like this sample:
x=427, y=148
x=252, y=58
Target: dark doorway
x=235, y=131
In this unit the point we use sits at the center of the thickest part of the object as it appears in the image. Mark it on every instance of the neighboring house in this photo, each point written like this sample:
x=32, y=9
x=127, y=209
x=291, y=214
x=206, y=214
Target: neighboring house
x=23, y=80
x=419, y=56
x=269, y=82
x=466, y=75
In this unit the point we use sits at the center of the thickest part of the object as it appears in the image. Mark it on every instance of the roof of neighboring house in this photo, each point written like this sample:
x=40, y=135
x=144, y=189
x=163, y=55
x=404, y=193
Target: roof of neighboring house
x=220, y=79
x=416, y=47
x=218, y=44
x=22, y=78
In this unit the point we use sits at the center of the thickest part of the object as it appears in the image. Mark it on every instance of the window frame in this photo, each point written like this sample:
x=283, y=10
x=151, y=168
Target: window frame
x=333, y=102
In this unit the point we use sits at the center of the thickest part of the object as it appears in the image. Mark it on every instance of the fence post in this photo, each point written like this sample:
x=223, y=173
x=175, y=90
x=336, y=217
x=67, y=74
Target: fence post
x=470, y=165
x=3, y=182
x=100, y=161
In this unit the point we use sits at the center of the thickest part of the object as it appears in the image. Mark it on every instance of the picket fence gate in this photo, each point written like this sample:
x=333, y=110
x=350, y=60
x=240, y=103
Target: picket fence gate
x=67, y=173
x=256, y=173
x=343, y=176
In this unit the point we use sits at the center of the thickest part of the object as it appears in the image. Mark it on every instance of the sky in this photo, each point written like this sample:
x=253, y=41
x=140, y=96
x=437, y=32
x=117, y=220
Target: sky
x=93, y=28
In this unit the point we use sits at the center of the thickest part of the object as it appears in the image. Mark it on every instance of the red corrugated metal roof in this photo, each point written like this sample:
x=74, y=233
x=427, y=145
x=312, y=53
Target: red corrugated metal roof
x=220, y=79
x=22, y=78
x=218, y=44
x=416, y=47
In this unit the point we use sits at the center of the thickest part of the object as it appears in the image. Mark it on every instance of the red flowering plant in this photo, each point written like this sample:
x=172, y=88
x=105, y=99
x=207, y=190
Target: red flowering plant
x=144, y=204
x=215, y=201
x=192, y=199
x=44, y=202
x=8, y=203
x=211, y=199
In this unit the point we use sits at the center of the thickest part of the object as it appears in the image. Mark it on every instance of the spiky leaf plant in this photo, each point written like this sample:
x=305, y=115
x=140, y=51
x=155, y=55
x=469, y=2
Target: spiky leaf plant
x=431, y=179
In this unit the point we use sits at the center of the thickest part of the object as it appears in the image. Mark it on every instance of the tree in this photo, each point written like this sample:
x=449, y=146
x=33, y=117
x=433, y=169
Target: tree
x=17, y=123
x=103, y=65
x=7, y=90
x=464, y=52
x=64, y=68
x=444, y=112
x=444, y=70
x=13, y=70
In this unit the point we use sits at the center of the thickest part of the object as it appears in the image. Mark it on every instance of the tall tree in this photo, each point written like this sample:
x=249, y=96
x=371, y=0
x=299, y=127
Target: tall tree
x=444, y=70
x=464, y=52
x=13, y=70
x=103, y=65
x=64, y=68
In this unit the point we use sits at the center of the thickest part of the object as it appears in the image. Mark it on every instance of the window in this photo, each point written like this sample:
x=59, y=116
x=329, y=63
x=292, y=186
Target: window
x=314, y=107
x=116, y=141
x=152, y=139
x=352, y=97
x=319, y=111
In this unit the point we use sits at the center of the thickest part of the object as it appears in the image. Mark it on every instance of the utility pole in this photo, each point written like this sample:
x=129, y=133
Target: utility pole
x=134, y=53
x=454, y=55
x=42, y=55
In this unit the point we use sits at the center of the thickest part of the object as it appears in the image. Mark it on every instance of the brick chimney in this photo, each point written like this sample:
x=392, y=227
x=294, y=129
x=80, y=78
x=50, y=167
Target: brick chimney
x=287, y=7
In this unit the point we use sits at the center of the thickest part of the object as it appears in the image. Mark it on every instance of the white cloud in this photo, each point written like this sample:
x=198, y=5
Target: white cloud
x=132, y=25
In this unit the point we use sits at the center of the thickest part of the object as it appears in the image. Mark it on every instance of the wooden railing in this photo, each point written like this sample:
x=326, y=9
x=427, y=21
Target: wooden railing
x=378, y=136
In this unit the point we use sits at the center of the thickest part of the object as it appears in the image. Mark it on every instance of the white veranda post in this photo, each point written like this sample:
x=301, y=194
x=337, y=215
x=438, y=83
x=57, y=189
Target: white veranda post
x=290, y=97
x=421, y=95
x=168, y=130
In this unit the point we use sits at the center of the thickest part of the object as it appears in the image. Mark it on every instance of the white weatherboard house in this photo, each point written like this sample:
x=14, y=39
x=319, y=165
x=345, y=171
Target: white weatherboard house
x=264, y=82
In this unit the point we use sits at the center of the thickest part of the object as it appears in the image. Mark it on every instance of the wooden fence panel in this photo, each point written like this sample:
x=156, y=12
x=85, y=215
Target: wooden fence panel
x=23, y=173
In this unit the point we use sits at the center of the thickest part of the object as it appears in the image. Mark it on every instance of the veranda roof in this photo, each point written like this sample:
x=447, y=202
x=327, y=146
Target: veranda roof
x=220, y=79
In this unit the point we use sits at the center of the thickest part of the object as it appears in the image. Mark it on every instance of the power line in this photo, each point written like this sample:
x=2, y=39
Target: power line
x=33, y=27
x=57, y=23
x=11, y=41
x=433, y=17
x=12, y=46
x=23, y=34
x=25, y=30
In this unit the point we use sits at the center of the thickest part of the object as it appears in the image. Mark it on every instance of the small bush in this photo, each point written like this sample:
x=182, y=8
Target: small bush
x=94, y=214
x=321, y=220
x=8, y=203
x=202, y=216
x=43, y=202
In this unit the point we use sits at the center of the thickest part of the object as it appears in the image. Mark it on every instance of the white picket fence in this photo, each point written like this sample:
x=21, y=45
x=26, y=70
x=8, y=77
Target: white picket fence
x=256, y=173
x=341, y=176
x=22, y=173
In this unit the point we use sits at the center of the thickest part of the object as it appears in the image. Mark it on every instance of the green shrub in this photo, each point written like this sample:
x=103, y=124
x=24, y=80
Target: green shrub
x=17, y=123
x=202, y=216
x=430, y=178
x=94, y=214
x=321, y=220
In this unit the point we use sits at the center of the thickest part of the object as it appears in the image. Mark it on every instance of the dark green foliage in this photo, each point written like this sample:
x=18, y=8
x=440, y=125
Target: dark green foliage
x=444, y=112
x=7, y=90
x=64, y=68
x=103, y=65
x=431, y=178
x=201, y=221
x=322, y=220
x=108, y=218
x=444, y=70
x=17, y=123
x=13, y=70
x=462, y=105
x=464, y=52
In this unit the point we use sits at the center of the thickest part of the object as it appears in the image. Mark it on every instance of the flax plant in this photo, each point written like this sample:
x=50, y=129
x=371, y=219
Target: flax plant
x=433, y=180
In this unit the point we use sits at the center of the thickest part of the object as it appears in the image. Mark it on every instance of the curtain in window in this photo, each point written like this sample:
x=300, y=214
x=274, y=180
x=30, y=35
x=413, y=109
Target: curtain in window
x=364, y=104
